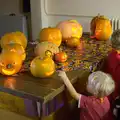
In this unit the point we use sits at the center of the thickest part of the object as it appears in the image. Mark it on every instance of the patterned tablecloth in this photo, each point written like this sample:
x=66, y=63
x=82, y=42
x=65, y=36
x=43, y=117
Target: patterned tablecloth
x=87, y=56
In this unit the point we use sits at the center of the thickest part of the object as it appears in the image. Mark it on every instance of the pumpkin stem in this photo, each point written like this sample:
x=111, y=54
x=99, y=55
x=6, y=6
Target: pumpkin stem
x=98, y=15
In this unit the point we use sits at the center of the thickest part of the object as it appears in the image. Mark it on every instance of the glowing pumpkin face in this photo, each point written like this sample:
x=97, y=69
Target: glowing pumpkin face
x=51, y=35
x=101, y=28
x=10, y=63
x=46, y=49
x=70, y=28
x=42, y=67
x=14, y=37
x=15, y=48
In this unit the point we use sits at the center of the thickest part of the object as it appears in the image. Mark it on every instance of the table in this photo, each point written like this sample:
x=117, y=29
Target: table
x=42, y=97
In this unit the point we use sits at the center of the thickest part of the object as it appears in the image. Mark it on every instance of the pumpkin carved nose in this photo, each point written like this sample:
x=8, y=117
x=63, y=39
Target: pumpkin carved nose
x=9, y=66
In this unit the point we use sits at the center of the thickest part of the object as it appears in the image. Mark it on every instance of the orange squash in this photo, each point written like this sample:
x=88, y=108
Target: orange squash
x=61, y=57
x=42, y=67
x=10, y=63
x=13, y=37
x=46, y=49
x=101, y=28
x=15, y=47
x=70, y=28
x=51, y=34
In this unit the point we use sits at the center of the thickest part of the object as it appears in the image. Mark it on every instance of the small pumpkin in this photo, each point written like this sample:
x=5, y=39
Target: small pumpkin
x=101, y=28
x=46, y=49
x=70, y=28
x=51, y=35
x=15, y=47
x=10, y=63
x=61, y=57
x=73, y=42
x=13, y=37
x=42, y=67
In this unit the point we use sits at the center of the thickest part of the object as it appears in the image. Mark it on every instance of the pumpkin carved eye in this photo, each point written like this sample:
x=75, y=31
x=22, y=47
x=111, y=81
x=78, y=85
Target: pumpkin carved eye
x=2, y=64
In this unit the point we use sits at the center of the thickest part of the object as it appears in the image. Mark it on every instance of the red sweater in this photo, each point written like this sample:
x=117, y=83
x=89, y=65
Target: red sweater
x=112, y=67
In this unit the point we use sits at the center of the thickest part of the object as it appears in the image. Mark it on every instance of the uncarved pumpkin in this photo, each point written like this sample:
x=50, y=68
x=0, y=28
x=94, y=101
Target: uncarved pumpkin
x=61, y=57
x=70, y=28
x=73, y=42
x=15, y=47
x=42, y=67
x=46, y=49
x=10, y=63
x=13, y=37
x=51, y=35
x=101, y=28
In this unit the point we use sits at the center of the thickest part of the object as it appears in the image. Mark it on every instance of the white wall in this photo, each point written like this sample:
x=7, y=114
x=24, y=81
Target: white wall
x=49, y=12
x=9, y=6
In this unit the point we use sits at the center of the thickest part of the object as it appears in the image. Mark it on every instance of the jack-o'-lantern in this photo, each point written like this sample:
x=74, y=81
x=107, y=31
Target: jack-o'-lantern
x=73, y=42
x=70, y=28
x=46, y=49
x=15, y=47
x=61, y=57
x=42, y=67
x=10, y=63
x=101, y=28
x=52, y=35
x=13, y=37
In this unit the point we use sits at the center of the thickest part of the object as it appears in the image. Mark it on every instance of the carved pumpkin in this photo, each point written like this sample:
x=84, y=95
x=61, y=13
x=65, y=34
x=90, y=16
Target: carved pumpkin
x=46, y=49
x=15, y=47
x=10, y=63
x=14, y=37
x=70, y=28
x=101, y=28
x=73, y=42
x=52, y=35
x=42, y=67
x=61, y=57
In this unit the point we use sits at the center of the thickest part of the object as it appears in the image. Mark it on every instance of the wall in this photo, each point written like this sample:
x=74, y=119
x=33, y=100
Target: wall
x=9, y=6
x=49, y=12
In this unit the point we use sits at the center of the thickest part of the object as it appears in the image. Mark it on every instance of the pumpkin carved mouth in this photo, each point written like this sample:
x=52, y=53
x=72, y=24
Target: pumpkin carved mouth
x=8, y=71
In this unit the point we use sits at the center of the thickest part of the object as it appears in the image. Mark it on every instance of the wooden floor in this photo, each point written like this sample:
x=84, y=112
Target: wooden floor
x=6, y=115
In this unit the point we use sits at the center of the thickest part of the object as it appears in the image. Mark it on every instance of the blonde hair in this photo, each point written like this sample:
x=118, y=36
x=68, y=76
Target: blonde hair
x=101, y=84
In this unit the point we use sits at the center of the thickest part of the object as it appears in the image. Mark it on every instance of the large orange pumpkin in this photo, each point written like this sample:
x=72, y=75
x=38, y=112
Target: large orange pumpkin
x=10, y=63
x=101, y=28
x=51, y=34
x=70, y=28
x=15, y=47
x=42, y=67
x=46, y=49
x=13, y=37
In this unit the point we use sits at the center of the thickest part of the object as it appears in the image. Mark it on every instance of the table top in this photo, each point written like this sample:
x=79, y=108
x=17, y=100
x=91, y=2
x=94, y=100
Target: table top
x=84, y=58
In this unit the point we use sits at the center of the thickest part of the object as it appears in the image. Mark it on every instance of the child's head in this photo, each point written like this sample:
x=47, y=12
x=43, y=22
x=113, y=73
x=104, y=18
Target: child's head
x=115, y=40
x=100, y=84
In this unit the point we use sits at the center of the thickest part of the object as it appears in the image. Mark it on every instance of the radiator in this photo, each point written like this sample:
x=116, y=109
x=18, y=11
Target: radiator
x=115, y=22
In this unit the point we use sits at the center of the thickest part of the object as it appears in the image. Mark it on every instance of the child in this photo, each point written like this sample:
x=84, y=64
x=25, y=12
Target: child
x=112, y=64
x=96, y=107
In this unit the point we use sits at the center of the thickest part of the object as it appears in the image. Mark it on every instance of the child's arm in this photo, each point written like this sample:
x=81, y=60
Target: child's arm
x=69, y=86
